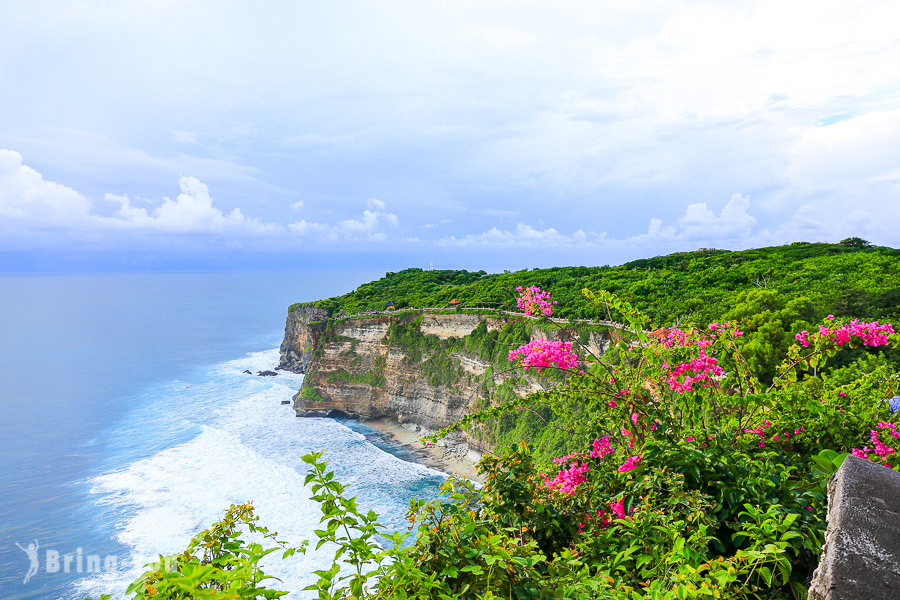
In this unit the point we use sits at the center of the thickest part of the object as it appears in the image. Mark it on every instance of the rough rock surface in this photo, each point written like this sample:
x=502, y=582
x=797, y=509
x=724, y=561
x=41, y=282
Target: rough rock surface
x=300, y=331
x=861, y=556
x=336, y=362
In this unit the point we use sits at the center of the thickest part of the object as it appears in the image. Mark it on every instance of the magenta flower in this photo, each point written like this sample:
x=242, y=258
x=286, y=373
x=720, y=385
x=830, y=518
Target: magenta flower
x=534, y=301
x=630, y=464
x=540, y=354
x=602, y=448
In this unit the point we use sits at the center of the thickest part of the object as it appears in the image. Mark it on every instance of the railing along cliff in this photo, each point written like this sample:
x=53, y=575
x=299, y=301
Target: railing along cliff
x=599, y=323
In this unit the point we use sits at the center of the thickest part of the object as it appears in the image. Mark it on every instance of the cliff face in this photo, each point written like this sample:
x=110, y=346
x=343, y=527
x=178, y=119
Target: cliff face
x=424, y=377
x=304, y=324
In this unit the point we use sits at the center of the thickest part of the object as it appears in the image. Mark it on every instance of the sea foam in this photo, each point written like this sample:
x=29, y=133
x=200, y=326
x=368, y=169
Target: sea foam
x=243, y=445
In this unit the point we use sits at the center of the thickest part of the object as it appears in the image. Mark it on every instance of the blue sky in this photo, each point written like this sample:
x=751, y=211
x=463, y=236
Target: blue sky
x=217, y=134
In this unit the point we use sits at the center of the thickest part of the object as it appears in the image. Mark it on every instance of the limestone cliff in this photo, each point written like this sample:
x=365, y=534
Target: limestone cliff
x=419, y=368
x=303, y=325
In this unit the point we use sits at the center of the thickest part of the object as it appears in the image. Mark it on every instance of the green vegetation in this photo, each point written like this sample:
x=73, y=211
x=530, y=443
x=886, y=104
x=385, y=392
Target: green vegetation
x=215, y=564
x=851, y=278
x=692, y=463
x=368, y=378
x=772, y=294
x=700, y=482
x=442, y=367
x=310, y=393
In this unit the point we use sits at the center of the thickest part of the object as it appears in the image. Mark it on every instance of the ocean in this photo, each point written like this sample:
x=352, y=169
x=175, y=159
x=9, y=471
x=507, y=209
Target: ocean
x=129, y=426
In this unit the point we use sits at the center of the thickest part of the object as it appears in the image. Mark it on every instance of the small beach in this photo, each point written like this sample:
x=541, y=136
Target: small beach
x=438, y=457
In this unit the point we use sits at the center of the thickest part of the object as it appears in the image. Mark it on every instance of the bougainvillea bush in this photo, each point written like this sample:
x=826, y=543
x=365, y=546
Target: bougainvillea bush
x=689, y=476
x=693, y=479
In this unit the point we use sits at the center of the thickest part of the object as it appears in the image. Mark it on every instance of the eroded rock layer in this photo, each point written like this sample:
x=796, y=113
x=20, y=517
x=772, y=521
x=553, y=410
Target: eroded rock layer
x=354, y=368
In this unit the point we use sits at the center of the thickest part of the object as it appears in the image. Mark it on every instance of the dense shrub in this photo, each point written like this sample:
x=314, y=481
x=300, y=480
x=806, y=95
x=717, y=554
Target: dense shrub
x=691, y=475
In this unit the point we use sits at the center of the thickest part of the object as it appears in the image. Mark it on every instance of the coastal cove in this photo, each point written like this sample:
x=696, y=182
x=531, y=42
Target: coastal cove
x=173, y=399
x=130, y=425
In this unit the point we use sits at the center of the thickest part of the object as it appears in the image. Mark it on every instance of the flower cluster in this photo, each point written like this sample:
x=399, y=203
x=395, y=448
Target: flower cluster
x=601, y=448
x=766, y=436
x=871, y=334
x=541, y=354
x=880, y=448
x=680, y=338
x=683, y=376
x=630, y=464
x=618, y=509
x=602, y=518
x=534, y=301
x=599, y=516
x=567, y=479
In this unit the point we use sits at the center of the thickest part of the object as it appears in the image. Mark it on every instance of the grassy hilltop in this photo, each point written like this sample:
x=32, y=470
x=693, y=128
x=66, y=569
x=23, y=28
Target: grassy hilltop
x=851, y=279
x=687, y=463
x=774, y=293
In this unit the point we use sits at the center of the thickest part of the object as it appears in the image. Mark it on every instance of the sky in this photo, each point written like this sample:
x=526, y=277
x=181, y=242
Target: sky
x=215, y=134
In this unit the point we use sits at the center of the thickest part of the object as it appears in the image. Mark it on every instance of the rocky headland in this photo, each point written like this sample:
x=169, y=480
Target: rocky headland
x=413, y=372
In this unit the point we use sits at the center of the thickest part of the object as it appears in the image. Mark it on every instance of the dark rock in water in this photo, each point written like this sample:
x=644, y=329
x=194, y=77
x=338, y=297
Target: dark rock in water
x=248, y=371
x=267, y=374
x=285, y=401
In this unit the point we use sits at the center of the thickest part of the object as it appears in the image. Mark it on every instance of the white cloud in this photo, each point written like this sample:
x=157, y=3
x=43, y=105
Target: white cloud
x=733, y=225
x=842, y=180
x=191, y=212
x=524, y=235
x=184, y=137
x=699, y=223
x=861, y=149
x=371, y=227
x=297, y=205
x=509, y=105
x=30, y=203
x=26, y=199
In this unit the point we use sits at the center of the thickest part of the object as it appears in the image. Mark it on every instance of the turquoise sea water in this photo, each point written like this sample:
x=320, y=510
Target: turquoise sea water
x=128, y=425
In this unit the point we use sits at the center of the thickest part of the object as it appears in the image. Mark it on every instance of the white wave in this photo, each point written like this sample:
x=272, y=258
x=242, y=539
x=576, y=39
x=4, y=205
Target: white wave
x=248, y=449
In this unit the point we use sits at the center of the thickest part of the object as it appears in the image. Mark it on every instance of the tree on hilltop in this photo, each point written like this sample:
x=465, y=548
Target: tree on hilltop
x=855, y=242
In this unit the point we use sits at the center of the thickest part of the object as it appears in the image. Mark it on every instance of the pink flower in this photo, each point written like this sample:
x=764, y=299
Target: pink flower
x=612, y=403
x=872, y=334
x=534, y=300
x=541, y=354
x=618, y=509
x=684, y=376
x=601, y=448
x=567, y=480
x=630, y=464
